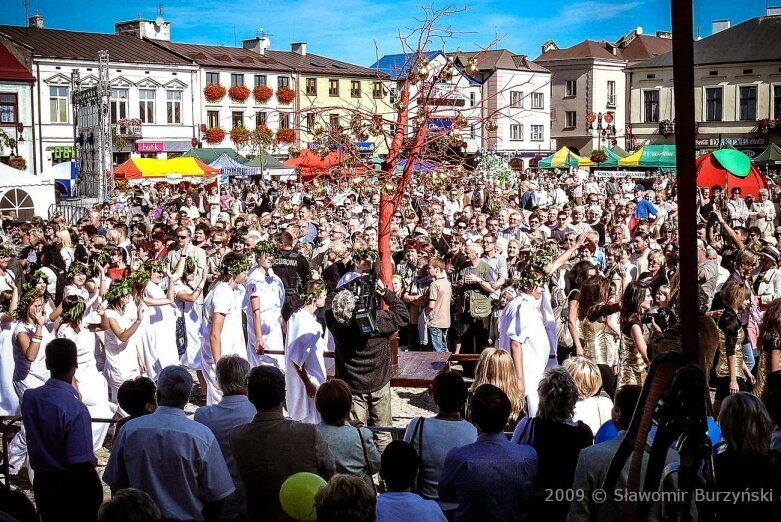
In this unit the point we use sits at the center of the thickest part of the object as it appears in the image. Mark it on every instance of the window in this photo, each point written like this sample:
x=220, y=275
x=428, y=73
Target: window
x=260, y=79
x=19, y=203
x=58, y=104
x=333, y=87
x=516, y=99
x=377, y=90
x=212, y=77
x=472, y=99
x=283, y=81
x=284, y=120
x=392, y=96
x=472, y=132
x=311, y=86
x=713, y=104
x=310, y=122
x=651, y=106
x=261, y=119
x=537, y=133
x=355, y=89
x=118, y=104
x=611, y=93
x=146, y=105
x=748, y=103
x=237, y=119
x=174, y=106
x=538, y=100
x=571, y=88
x=9, y=109
x=516, y=132
x=570, y=119
x=777, y=101
x=212, y=119
x=333, y=121
x=237, y=79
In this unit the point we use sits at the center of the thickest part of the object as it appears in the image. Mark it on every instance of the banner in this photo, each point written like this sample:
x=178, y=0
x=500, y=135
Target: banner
x=620, y=173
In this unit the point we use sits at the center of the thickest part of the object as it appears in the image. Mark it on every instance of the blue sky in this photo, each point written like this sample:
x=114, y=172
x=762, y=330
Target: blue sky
x=359, y=30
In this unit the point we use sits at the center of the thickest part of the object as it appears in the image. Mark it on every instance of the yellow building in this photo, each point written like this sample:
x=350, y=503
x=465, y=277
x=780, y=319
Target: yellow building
x=330, y=92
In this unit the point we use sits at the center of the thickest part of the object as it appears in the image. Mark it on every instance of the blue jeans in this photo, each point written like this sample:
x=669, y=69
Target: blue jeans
x=748, y=358
x=438, y=338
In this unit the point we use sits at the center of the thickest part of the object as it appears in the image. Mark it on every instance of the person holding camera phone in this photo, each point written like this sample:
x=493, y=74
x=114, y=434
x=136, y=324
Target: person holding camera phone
x=636, y=329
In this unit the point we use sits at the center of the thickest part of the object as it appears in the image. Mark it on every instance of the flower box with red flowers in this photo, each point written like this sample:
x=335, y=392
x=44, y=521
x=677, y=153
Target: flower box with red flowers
x=215, y=135
x=214, y=92
x=286, y=136
x=286, y=95
x=17, y=162
x=239, y=93
x=262, y=93
x=264, y=132
x=239, y=136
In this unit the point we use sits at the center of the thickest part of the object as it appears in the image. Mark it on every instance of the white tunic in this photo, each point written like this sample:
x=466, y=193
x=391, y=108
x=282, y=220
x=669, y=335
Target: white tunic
x=9, y=400
x=92, y=385
x=121, y=356
x=191, y=358
x=521, y=321
x=305, y=345
x=270, y=292
x=158, y=339
x=29, y=374
x=222, y=299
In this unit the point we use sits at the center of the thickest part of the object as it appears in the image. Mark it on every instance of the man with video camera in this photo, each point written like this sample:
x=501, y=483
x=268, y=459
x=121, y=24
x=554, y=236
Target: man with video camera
x=362, y=349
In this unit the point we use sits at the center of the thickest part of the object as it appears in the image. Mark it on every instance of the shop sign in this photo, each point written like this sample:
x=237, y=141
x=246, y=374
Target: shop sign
x=620, y=173
x=734, y=141
x=365, y=146
x=150, y=146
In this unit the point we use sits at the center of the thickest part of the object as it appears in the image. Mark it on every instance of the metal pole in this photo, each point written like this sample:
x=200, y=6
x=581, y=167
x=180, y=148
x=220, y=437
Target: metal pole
x=683, y=72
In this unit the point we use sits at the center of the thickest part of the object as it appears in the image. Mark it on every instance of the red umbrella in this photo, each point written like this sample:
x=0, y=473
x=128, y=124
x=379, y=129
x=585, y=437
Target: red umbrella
x=311, y=165
x=710, y=172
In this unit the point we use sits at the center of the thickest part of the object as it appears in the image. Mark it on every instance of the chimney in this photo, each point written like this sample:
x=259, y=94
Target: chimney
x=36, y=20
x=719, y=25
x=258, y=44
x=298, y=48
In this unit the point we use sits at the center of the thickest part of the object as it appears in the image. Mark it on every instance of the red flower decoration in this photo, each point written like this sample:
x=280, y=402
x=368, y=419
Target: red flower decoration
x=215, y=135
x=286, y=135
x=239, y=136
x=286, y=95
x=203, y=128
x=264, y=131
x=214, y=92
x=262, y=93
x=239, y=93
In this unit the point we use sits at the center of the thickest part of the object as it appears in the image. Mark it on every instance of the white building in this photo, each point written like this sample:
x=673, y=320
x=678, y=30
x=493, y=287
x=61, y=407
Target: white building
x=588, y=83
x=152, y=90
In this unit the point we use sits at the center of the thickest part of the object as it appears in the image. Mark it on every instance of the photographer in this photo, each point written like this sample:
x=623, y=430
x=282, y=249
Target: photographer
x=363, y=361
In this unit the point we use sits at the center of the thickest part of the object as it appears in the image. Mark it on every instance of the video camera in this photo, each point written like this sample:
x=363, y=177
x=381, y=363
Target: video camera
x=365, y=313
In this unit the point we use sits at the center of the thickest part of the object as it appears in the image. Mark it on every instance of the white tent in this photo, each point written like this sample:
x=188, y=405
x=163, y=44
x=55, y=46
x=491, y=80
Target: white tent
x=25, y=195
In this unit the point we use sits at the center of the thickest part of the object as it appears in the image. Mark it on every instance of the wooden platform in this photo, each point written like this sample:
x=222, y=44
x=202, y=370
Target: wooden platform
x=418, y=369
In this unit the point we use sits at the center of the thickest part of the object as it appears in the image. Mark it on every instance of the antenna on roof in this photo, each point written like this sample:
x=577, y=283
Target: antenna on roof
x=26, y=4
x=159, y=21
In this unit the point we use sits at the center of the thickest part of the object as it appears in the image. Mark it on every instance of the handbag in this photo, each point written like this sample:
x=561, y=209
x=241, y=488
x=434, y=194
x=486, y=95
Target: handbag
x=366, y=458
x=563, y=334
x=181, y=332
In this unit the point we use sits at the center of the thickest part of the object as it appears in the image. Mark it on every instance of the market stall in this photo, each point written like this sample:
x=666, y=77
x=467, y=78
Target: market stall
x=24, y=195
x=651, y=157
x=175, y=170
x=729, y=168
x=231, y=168
x=769, y=156
x=564, y=158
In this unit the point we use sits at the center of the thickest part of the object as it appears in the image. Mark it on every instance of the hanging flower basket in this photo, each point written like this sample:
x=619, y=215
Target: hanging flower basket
x=264, y=133
x=214, y=92
x=598, y=156
x=286, y=136
x=17, y=162
x=286, y=95
x=239, y=93
x=215, y=135
x=239, y=136
x=262, y=93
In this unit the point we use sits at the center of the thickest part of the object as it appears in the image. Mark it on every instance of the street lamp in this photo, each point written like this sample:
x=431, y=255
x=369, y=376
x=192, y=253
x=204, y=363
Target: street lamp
x=601, y=126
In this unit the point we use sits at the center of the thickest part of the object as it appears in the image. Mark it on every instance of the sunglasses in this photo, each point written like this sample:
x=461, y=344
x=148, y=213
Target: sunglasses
x=183, y=237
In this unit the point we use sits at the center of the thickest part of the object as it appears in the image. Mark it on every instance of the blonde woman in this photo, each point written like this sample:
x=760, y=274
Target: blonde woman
x=496, y=367
x=592, y=408
x=63, y=240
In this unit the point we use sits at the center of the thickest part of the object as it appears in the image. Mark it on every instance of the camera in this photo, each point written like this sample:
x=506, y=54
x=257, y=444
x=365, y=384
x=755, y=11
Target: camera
x=365, y=313
x=660, y=317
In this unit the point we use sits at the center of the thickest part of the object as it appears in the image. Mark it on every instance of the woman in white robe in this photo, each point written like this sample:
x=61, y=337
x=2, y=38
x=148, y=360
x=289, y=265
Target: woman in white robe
x=91, y=384
x=304, y=349
x=222, y=331
x=158, y=338
x=186, y=297
x=123, y=359
x=263, y=304
x=9, y=400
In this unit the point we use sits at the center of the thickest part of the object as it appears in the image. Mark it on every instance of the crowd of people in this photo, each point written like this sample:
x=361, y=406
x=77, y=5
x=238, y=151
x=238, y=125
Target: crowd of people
x=564, y=288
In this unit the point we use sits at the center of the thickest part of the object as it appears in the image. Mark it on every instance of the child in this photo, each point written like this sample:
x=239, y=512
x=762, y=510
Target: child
x=399, y=469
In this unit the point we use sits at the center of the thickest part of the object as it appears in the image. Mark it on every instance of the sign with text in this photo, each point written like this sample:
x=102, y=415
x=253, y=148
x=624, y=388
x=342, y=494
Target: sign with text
x=734, y=141
x=60, y=154
x=150, y=146
x=619, y=173
x=365, y=146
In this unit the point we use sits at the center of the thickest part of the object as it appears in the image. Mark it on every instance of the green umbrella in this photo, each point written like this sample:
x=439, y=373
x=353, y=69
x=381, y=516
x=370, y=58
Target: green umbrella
x=734, y=161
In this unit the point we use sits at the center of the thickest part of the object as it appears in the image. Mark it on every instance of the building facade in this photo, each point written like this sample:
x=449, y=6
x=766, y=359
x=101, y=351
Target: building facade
x=588, y=89
x=737, y=80
x=16, y=111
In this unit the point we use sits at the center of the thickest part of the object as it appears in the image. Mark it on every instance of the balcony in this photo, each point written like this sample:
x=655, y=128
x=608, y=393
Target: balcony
x=127, y=128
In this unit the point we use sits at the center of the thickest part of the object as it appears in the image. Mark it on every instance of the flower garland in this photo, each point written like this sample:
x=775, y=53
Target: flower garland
x=214, y=92
x=77, y=267
x=285, y=95
x=239, y=93
x=118, y=289
x=240, y=136
x=308, y=297
x=7, y=250
x=265, y=248
x=30, y=294
x=215, y=135
x=154, y=266
x=367, y=253
x=234, y=267
x=262, y=93
x=286, y=136
x=75, y=311
x=530, y=279
x=101, y=257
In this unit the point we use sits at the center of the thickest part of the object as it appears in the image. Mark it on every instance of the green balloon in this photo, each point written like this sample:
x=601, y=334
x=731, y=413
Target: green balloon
x=297, y=496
